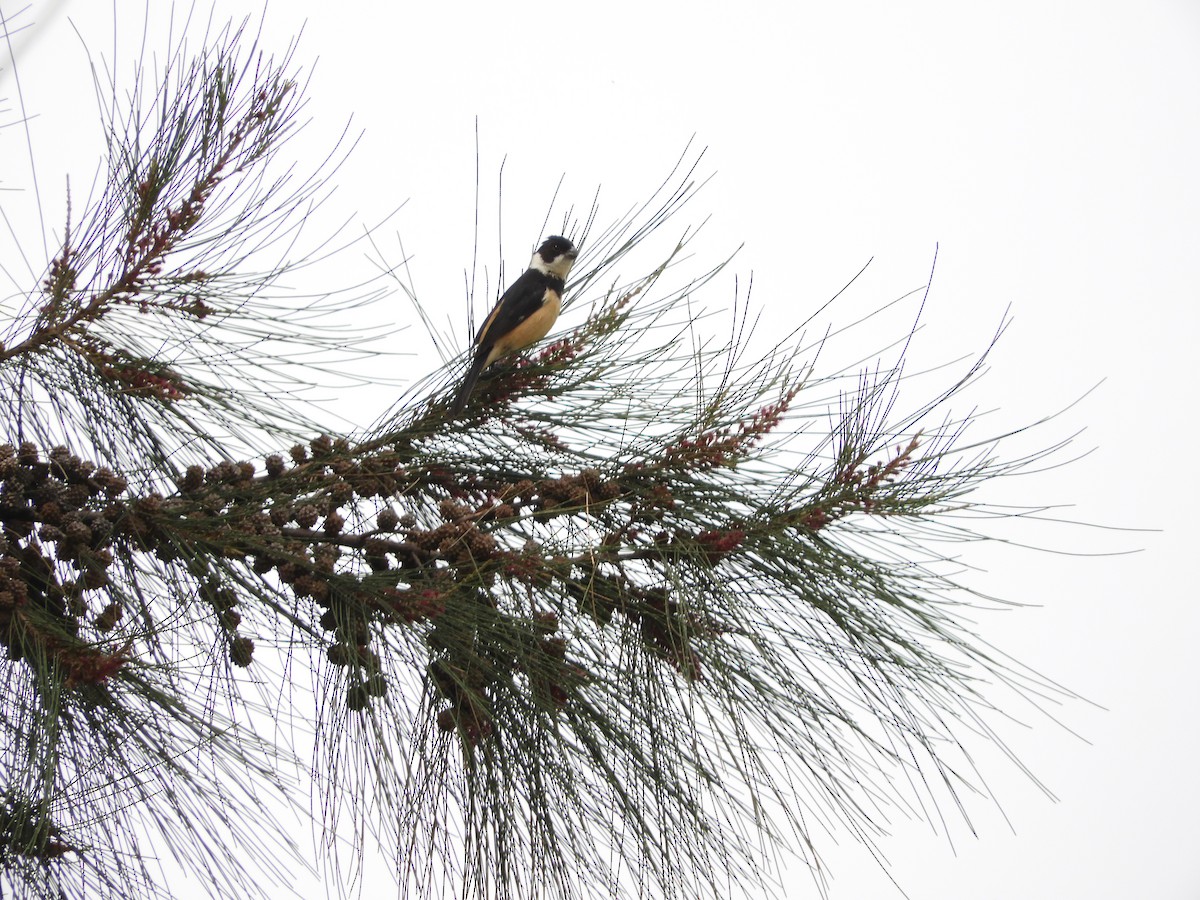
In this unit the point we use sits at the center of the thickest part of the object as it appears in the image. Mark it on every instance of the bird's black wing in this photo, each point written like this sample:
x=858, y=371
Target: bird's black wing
x=522, y=299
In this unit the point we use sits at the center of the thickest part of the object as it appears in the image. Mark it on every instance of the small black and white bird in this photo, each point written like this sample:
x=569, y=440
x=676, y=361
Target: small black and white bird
x=525, y=314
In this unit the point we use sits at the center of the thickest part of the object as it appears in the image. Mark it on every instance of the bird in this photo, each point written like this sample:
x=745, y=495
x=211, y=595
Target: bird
x=524, y=314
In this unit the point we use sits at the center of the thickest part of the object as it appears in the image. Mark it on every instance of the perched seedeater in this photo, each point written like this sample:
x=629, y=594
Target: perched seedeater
x=525, y=314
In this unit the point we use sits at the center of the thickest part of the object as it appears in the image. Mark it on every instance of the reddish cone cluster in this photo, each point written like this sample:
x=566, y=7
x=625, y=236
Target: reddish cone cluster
x=58, y=517
x=854, y=487
x=719, y=544
x=722, y=446
x=304, y=522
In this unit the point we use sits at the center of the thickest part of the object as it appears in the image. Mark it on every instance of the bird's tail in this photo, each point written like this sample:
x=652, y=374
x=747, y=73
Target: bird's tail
x=468, y=383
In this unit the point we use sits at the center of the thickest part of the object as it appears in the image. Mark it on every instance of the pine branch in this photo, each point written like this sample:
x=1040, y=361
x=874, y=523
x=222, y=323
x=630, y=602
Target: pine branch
x=640, y=609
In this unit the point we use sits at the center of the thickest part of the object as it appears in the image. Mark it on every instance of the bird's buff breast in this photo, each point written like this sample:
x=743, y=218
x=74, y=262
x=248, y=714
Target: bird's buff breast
x=533, y=329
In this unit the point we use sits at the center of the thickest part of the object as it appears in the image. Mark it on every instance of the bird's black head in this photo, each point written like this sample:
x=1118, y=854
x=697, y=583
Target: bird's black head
x=555, y=257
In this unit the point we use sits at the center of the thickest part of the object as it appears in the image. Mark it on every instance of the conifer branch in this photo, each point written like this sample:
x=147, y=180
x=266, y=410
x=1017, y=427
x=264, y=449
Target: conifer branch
x=639, y=609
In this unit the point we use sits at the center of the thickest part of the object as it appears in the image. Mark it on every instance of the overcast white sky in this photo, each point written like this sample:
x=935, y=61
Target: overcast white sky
x=1049, y=148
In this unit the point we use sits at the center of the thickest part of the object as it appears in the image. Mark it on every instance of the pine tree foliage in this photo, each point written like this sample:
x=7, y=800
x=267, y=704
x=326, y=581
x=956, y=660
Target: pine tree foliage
x=651, y=611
